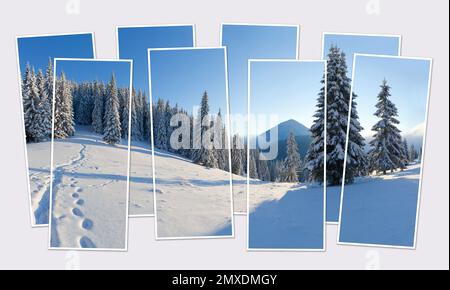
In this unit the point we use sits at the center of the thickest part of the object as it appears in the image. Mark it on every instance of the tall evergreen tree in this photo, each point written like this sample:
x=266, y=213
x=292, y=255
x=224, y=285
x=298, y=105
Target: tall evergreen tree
x=356, y=156
x=112, y=130
x=161, y=128
x=236, y=156
x=386, y=151
x=26, y=101
x=252, y=170
x=263, y=170
x=314, y=160
x=338, y=100
x=98, y=111
x=292, y=161
x=63, y=115
x=42, y=123
x=412, y=153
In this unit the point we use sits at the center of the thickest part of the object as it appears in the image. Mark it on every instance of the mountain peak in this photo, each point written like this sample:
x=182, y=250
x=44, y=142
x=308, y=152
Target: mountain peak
x=291, y=125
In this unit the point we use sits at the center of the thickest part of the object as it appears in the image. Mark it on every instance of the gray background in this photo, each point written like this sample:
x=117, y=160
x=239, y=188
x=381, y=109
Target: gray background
x=424, y=26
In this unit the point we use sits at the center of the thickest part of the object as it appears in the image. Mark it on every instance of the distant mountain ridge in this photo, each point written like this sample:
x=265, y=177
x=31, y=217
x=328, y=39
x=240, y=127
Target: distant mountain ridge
x=300, y=131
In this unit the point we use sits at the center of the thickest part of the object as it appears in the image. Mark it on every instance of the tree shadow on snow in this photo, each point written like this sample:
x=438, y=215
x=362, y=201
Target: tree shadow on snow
x=293, y=222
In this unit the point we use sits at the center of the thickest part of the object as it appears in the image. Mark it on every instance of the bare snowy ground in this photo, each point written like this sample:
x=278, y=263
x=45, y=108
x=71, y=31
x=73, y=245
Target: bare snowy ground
x=89, y=193
x=38, y=155
x=141, y=188
x=191, y=200
x=286, y=216
x=381, y=210
x=141, y=180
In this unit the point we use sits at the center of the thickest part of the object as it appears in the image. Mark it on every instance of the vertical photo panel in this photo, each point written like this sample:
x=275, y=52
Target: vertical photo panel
x=338, y=49
x=191, y=160
x=90, y=154
x=244, y=42
x=380, y=206
x=133, y=43
x=35, y=64
x=286, y=195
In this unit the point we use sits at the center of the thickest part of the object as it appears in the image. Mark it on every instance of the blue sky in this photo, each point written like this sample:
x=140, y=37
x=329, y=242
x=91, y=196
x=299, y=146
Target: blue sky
x=409, y=81
x=245, y=42
x=369, y=44
x=87, y=71
x=288, y=89
x=38, y=50
x=182, y=75
x=134, y=42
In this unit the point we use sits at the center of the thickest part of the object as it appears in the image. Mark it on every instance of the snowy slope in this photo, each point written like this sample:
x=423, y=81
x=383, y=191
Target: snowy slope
x=191, y=200
x=39, y=179
x=89, y=205
x=381, y=209
x=141, y=180
x=286, y=216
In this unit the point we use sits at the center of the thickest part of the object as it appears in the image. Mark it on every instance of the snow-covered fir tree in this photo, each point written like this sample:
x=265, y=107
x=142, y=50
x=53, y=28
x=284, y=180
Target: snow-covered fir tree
x=338, y=100
x=292, y=163
x=205, y=155
x=412, y=153
x=263, y=170
x=237, y=166
x=98, y=110
x=405, y=151
x=160, y=125
x=64, y=124
x=356, y=156
x=42, y=123
x=386, y=147
x=112, y=130
x=252, y=167
x=314, y=160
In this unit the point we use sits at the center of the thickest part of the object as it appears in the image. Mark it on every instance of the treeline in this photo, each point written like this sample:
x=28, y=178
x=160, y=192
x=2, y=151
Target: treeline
x=37, y=93
x=203, y=140
x=103, y=106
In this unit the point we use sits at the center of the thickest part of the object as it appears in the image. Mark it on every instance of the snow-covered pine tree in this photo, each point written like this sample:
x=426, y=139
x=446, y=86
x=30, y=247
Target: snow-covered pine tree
x=139, y=111
x=147, y=121
x=98, y=111
x=412, y=153
x=85, y=104
x=112, y=130
x=160, y=128
x=48, y=102
x=35, y=129
x=205, y=156
x=42, y=121
x=26, y=101
x=63, y=115
x=69, y=119
x=168, y=115
x=292, y=163
x=338, y=100
x=263, y=170
x=124, y=116
x=236, y=156
x=315, y=156
x=219, y=145
x=356, y=155
x=253, y=170
x=405, y=149
x=386, y=151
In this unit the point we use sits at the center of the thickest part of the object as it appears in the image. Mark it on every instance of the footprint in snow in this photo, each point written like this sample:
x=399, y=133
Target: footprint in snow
x=77, y=212
x=75, y=195
x=85, y=242
x=87, y=224
x=80, y=202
